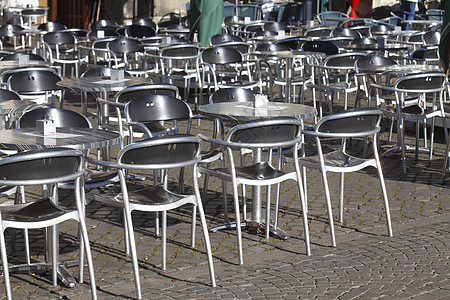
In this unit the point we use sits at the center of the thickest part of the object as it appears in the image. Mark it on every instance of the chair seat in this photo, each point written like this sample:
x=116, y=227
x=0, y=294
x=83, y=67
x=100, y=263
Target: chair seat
x=337, y=159
x=258, y=172
x=40, y=210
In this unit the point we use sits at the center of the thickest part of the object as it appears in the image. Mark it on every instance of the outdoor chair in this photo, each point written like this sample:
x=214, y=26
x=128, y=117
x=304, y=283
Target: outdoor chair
x=51, y=26
x=139, y=31
x=426, y=91
x=342, y=127
x=157, y=154
x=128, y=53
x=37, y=168
x=224, y=38
x=345, y=32
x=319, y=32
x=37, y=84
x=12, y=37
x=324, y=17
x=270, y=135
x=222, y=67
x=146, y=22
x=60, y=48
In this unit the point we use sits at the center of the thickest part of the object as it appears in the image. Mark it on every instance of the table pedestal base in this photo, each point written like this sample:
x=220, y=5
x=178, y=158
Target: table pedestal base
x=255, y=226
x=63, y=274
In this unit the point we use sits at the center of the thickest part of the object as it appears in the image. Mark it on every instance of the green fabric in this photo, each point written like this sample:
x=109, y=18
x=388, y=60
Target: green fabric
x=206, y=18
x=445, y=37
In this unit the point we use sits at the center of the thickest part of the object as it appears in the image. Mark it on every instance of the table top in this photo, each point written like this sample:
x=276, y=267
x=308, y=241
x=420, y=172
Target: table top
x=379, y=47
x=11, y=106
x=12, y=64
x=245, y=111
x=77, y=138
x=407, y=69
x=290, y=54
x=96, y=84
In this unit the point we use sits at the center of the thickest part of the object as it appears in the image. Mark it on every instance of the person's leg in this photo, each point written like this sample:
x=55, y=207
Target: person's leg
x=409, y=9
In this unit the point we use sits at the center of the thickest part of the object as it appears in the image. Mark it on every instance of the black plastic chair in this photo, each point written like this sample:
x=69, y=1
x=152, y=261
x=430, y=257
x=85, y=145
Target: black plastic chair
x=320, y=32
x=61, y=48
x=294, y=43
x=37, y=168
x=146, y=22
x=431, y=38
x=352, y=124
x=428, y=89
x=157, y=154
x=271, y=135
x=222, y=67
x=12, y=37
x=102, y=24
x=321, y=46
x=37, y=84
x=128, y=53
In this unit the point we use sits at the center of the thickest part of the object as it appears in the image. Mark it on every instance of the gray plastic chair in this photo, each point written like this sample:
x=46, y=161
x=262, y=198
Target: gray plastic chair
x=36, y=168
x=157, y=154
x=351, y=124
x=271, y=135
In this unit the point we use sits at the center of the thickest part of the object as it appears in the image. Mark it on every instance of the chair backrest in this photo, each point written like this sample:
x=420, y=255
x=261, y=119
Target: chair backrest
x=103, y=33
x=9, y=95
x=341, y=42
x=381, y=12
x=321, y=46
x=164, y=152
x=324, y=17
x=17, y=55
x=224, y=38
x=129, y=93
x=125, y=45
x=150, y=108
x=364, y=41
x=233, y=95
x=421, y=83
x=61, y=117
x=10, y=30
x=51, y=26
x=364, y=30
x=229, y=10
x=221, y=55
x=271, y=47
x=416, y=38
x=180, y=51
x=371, y=62
x=381, y=28
x=340, y=32
x=101, y=24
x=351, y=123
x=431, y=38
x=139, y=31
x=242, y=47
x=294, y=43
x=275, y=26
x=426, y=53
x=34, y=81
x=265, y=33
x=59, y=38
x=38, y=167
x=343, y=59
x=320, y=32
x=266, y=134
x=146, y=22
x=101, y=72
x=248, y=10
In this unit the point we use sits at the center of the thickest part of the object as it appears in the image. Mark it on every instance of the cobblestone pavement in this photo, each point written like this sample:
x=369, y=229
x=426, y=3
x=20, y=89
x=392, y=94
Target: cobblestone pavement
x=365, y=264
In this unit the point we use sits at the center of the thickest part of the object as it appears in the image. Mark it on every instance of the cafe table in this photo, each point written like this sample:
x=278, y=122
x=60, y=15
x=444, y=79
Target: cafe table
x=290, y=57
x=245, y=112
x=23, y=139
x=102, y=86
x=10, y=106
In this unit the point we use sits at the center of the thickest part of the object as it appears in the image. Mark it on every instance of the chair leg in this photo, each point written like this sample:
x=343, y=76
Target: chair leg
x=383, y=190
x=238, y=222
x=164, y=240
x=193, y=223
x=329, y=208
x=54, y=254
x=268, y=212
x=341, y=198
x=4, y=256
x=205, y=232
x=303, y=203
